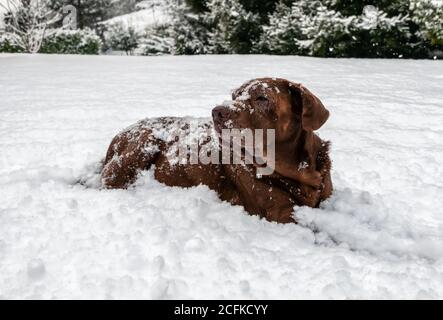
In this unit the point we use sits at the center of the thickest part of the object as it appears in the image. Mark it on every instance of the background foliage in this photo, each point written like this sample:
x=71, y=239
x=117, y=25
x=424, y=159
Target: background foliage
x=321, y=28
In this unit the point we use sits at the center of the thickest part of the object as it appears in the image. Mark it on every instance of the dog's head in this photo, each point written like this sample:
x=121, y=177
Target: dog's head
x=270, y=103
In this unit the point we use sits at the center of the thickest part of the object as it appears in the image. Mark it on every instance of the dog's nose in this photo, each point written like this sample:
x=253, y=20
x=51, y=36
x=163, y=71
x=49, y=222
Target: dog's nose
x=220, y=113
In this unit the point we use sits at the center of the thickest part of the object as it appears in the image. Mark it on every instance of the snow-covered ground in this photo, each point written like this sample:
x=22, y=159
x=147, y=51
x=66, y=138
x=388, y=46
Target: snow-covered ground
x=379, y=236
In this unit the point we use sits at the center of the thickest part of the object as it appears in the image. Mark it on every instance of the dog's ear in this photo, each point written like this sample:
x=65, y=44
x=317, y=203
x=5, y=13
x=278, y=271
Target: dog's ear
x=313, y=113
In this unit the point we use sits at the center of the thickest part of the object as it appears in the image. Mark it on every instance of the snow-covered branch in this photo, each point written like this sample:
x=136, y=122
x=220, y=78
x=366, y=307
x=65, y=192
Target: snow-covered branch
x=28, y=22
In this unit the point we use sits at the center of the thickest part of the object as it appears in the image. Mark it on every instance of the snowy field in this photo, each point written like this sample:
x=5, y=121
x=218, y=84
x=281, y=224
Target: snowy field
x=379, y=236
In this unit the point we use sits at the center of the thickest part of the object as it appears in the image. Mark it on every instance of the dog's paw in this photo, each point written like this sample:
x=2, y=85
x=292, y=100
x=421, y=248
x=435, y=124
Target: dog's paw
x=314, y=179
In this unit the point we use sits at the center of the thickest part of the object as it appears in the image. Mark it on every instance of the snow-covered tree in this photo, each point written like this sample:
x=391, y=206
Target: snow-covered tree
x=307, y=27
x=188, y=30
x=281, y=34
x=2, y=23
x=121, y=37
x=325, y=28
x=28, y=22
x=381, y=28
x=317, y=28
x=157, y=40
x=234, y=30
x=327, y=32
x=428, y=15
x=377, y=34
x=371, y=33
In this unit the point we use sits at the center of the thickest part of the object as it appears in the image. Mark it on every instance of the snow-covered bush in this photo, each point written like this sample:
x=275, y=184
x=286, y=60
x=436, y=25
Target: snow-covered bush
x=327, y=33
x=279, y=37
x=388, y=28
x=84, y=41
x=8, y=43
x=307, y=27
x=428, y=14
x=156, y=41
x=316, y=28
x=233, y=29
x=375, y=34
x=190, y=31
x=121, y=37
x=27, y=22
x=371, y=34
x=323, y=28
x=225, y=27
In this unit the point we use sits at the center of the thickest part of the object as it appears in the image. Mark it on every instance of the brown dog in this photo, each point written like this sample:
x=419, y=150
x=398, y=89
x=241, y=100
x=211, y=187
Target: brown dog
x=301, y=168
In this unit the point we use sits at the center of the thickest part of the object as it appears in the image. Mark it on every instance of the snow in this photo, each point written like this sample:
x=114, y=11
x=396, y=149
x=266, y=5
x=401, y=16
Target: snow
x=2, y=13
x=379, y=236
x=142, y=19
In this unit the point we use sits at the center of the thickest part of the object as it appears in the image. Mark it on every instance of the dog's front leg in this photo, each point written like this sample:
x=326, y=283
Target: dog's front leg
x=259, y=197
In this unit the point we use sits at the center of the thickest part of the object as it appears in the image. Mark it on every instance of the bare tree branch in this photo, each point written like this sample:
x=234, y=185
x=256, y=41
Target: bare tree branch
x=28, y=22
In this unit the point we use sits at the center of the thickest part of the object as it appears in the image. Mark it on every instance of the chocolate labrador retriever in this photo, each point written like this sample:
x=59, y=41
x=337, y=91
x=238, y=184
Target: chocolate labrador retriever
x=300, y=172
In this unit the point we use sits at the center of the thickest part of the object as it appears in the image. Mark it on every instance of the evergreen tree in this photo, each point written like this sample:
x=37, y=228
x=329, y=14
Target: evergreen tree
x=282, y=34
x=261, y=7
x=381, y=28
x=156, y=41
x=318, y=28
x=234, y=30
x=197, y=6
x=428, y=15
x=324, y=28
x=375, y=34
x=326, y=32
x=356, y=7
x=189, y=31
x=307, y=27
x=122, y=38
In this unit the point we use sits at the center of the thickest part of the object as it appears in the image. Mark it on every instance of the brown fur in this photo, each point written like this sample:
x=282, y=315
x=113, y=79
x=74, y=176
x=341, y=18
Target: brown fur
x=302, y=170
